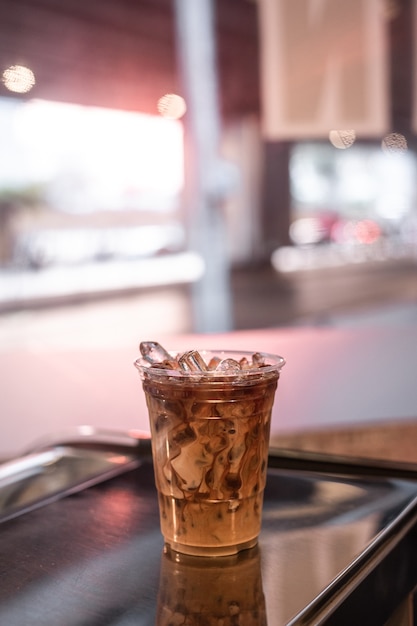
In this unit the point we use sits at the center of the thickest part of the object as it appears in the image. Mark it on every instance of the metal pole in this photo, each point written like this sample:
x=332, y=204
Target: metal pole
x=205, y=174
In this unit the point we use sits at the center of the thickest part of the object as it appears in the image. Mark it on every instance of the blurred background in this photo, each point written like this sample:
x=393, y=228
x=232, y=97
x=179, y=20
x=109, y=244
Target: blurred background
x=235, y=165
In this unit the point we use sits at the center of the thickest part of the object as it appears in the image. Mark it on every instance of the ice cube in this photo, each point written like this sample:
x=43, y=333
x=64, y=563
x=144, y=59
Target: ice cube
x=191, y=466
x=258, y=360
x=213, y=363
x=192, y=361
x=244, y=363
x=166, y=365
x=234, y=608
x=228, y=365
x=154, y=352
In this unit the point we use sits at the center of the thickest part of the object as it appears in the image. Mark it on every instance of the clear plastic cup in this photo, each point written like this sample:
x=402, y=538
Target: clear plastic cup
x=210, y=439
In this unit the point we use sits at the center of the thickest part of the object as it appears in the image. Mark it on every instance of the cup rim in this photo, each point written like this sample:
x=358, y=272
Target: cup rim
x=273, y=364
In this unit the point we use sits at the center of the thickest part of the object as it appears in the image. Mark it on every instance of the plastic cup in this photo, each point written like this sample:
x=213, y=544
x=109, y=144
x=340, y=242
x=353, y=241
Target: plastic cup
x=198, y=590
x=210, y=439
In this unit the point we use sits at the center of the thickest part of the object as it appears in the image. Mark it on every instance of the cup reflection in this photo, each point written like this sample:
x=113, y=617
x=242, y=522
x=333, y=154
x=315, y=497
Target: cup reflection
x=211, y=591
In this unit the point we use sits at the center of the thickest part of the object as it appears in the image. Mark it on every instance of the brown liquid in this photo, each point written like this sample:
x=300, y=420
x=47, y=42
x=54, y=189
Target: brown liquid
x=210, y=446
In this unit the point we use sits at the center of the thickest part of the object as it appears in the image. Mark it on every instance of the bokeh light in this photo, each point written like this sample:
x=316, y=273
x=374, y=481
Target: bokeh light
x=307, y=231
x=342, y=139
x=367, y=231
x=171, y=106
x=18, y=78
x=394, y=143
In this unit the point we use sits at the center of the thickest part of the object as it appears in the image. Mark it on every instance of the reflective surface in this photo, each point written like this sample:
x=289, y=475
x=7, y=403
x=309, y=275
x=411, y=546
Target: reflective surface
x=98, y=556
x=195, y=590
x=53, y=471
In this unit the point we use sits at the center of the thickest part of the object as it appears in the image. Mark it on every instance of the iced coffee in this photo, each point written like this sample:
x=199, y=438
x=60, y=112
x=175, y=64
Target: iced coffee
x=210, y=415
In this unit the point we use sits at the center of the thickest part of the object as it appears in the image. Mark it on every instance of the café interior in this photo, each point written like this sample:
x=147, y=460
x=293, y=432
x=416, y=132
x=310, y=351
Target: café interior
x=208, y=175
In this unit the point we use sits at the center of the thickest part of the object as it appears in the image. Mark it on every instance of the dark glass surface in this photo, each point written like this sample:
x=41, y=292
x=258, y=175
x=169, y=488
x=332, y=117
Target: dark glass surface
x=97, y=556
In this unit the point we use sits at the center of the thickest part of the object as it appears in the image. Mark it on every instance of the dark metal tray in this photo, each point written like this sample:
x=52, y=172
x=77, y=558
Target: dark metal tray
x=338, y=544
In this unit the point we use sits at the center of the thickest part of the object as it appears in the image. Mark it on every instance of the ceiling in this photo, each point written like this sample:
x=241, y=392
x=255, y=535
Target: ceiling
x=122, y=53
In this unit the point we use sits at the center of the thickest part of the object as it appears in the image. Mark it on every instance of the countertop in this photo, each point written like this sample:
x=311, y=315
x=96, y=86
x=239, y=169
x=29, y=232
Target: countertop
x=335, y=380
